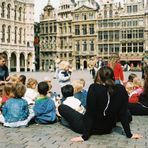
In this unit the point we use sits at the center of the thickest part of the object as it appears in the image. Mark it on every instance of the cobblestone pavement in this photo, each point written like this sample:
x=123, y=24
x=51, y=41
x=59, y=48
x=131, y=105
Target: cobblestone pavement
x=57, y=136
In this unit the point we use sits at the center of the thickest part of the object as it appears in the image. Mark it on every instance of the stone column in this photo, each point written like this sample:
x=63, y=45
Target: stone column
x=18, y=62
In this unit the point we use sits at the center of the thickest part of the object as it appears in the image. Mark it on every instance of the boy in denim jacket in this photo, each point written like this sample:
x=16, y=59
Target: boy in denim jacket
x=44, y=109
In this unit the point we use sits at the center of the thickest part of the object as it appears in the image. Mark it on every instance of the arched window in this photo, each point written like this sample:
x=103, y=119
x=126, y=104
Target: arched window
x=9, y=34
x=3, y=32
x=20, y=13
x=3, y=10
x=8, y=11
x=15, y=12
x=15, y=33
x=20, y=35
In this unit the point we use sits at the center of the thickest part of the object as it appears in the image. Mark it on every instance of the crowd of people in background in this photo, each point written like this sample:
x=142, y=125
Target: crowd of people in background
x=110, y=99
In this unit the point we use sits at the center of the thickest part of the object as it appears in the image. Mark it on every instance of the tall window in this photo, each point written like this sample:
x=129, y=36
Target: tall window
x=141, y=47
x=99, y=35
x=123, y=47
x=129, y=9
x=110, y=13
x=3, y=32
x=9, y=34
x=15, y=35
x=24, y=36
x=105, y=13
x=3, y=10
x=20, y=35
x=141, y=33
x=135, y=47
x=84, y=45
x=105, y=35
x=15, y=12
x=84, y=16
x=91, y=28
x=129, y=48
x=8, y=11
x=84, y=29
x=77, y=46
x=76, y=17
x=20, y=14
x=77, y=29
x=91, y=45
x=116, y=35
x=135, y=8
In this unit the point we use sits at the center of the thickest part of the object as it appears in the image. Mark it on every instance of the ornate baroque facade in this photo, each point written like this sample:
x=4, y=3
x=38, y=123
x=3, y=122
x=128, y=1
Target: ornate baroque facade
x=79, y=31
x=17, y=33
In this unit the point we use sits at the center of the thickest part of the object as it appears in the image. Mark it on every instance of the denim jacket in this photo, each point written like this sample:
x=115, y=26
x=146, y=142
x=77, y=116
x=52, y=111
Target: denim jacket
x=45, y=111
x=15, y=109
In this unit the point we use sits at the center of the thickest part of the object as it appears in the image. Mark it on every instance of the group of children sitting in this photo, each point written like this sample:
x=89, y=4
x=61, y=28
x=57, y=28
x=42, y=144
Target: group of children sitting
x=134, y=87
x=22, y=103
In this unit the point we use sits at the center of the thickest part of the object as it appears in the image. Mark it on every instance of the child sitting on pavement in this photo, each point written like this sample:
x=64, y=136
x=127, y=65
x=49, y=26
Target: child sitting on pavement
x=44, y=109
x=15, y=111
x=71, y=101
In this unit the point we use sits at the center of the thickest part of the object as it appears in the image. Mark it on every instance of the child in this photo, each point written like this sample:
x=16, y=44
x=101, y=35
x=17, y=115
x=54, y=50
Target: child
x=8, y=92
x=137, y=90
x=44, y=109
x=22, y=79
x=71, y=101
x=64, y=74
x=15, y=111
x=54, y=96
x=79, y=92
x=31, y=94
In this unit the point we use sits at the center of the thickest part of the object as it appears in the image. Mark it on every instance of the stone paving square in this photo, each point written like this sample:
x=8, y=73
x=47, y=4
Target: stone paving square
x=58, y=136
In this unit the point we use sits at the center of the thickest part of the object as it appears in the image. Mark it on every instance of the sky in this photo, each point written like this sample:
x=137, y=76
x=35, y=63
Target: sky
x=40, y=4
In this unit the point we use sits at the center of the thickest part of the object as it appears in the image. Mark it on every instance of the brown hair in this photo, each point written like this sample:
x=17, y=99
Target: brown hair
x=2, y=56
x=20, y=90
x=9, y=89
x=105, y=76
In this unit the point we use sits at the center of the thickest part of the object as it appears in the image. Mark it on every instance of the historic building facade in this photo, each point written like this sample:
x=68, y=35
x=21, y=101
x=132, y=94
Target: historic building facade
x=17, y=34
x=80, y=31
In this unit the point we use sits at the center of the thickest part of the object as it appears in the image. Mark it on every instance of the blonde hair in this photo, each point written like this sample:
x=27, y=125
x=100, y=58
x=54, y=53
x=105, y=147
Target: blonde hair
x=129, y=87
x=137, y=82
x=82, y=81
x=77, y=85
x=113, y=60
x=31, y=82
x=14, y=78
x=63, y=65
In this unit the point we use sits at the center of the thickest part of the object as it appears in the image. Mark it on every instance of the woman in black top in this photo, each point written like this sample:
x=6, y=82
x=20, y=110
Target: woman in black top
x=105, y=103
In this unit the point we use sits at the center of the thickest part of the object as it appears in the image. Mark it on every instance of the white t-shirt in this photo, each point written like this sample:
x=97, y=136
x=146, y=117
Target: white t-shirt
x=30, y=95
x=74, y=103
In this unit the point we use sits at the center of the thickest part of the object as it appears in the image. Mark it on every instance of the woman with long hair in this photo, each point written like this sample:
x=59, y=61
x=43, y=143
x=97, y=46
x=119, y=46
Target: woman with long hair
x=106, y=102
x=117, y=68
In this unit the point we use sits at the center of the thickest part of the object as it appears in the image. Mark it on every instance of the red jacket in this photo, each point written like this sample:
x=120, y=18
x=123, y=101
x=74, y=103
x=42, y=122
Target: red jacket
x=118, y=72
